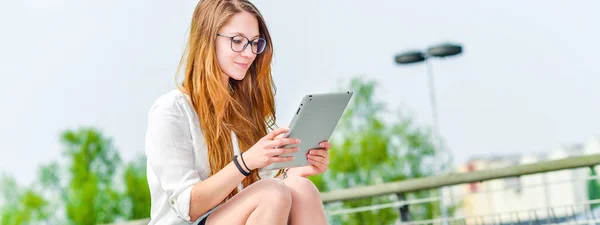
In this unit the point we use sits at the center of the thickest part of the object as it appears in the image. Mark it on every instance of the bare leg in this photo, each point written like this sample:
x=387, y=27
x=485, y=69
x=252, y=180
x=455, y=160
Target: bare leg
x=307, y=207
x=267, y=201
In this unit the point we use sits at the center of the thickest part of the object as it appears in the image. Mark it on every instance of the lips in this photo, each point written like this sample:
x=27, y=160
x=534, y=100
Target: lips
x=243, y=65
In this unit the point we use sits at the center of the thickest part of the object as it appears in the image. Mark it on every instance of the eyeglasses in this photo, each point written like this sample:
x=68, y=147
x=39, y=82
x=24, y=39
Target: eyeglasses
x=239, y=43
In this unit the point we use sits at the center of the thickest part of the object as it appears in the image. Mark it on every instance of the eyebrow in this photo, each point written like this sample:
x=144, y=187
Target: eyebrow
x=238, y=33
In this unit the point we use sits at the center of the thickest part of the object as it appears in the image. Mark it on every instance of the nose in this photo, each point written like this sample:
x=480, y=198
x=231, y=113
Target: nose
x=247, y=53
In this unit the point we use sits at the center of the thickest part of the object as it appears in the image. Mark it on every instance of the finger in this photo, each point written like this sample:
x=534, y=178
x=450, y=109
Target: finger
x=280, y=151
x=318, y=152
x=319, y=159
x=325, y=145
x=282, y=142
x=276, y=132
x=322, y=166
x=281, y=159
x=283, y=134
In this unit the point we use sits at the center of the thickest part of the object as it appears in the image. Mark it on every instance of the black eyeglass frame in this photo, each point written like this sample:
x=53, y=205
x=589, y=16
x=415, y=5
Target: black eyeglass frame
x=247, y=43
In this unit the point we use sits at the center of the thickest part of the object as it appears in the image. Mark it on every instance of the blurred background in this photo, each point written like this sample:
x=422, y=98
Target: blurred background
x=442, y=88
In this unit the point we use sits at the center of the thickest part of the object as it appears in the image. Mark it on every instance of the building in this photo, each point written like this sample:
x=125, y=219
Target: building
x=558, y=194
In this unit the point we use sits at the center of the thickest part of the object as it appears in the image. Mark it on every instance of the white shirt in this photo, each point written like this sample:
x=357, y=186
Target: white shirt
x=177, y=158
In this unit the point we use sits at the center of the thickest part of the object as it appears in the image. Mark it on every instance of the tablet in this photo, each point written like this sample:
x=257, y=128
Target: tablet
x=314, y=122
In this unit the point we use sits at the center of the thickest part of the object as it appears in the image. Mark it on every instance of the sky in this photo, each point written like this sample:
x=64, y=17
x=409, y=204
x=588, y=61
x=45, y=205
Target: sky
x=527, y=81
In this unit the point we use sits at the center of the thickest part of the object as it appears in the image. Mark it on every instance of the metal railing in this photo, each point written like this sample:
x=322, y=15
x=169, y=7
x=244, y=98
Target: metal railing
x=513, y=209
x=133, y=222
x=459, y=178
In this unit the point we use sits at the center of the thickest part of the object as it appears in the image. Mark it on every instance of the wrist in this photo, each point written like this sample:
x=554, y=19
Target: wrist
x=240, y=167
x=244, y=163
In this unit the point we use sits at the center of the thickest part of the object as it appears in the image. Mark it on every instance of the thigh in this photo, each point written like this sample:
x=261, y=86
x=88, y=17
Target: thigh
x=237, y=209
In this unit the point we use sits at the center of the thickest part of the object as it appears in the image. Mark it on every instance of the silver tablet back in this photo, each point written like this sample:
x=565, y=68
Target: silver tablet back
x=314, y=122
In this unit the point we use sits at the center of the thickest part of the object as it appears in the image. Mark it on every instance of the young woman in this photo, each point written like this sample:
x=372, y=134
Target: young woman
x=208, y=140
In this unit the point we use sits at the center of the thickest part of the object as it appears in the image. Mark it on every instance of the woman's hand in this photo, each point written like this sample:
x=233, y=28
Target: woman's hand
x=318, y=159
x=265, y=151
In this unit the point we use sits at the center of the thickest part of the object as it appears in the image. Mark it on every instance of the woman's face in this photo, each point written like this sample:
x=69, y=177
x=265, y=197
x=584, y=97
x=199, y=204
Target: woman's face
x=240, y=31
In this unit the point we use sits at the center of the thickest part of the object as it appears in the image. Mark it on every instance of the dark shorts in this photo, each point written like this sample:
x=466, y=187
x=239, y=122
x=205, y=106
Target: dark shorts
x=203, y=221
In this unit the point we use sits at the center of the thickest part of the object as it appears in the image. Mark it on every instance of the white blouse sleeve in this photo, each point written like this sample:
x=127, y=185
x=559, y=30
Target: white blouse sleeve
x=170, y=154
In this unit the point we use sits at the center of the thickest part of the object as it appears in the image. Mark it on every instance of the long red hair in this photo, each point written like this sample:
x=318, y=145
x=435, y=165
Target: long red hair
x=246, y=107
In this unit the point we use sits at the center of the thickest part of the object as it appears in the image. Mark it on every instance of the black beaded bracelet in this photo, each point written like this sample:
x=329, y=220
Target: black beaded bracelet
x=237, y=164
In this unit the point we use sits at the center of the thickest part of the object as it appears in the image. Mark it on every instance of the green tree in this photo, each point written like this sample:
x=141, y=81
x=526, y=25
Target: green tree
x=593, y=188
x=137, y=193
x=370, y=148
x=84, y=191
x=87, y=191
x=21, y=205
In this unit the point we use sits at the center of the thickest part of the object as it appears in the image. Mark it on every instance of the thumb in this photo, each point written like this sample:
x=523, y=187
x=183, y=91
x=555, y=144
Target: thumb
x=282, y=135
x=275, y=133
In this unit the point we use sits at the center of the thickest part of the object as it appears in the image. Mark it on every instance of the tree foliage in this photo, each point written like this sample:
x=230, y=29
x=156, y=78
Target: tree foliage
x=91, y=186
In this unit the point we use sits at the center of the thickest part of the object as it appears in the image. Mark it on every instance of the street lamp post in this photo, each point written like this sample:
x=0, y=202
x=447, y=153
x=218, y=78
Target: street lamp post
x=410, y=57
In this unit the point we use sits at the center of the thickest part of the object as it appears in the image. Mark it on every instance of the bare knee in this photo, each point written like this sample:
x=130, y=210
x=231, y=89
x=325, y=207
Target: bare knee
x=274, y=192
x=303, y=188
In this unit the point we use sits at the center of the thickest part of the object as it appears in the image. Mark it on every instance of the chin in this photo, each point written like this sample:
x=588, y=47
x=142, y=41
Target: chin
x=238, y=76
